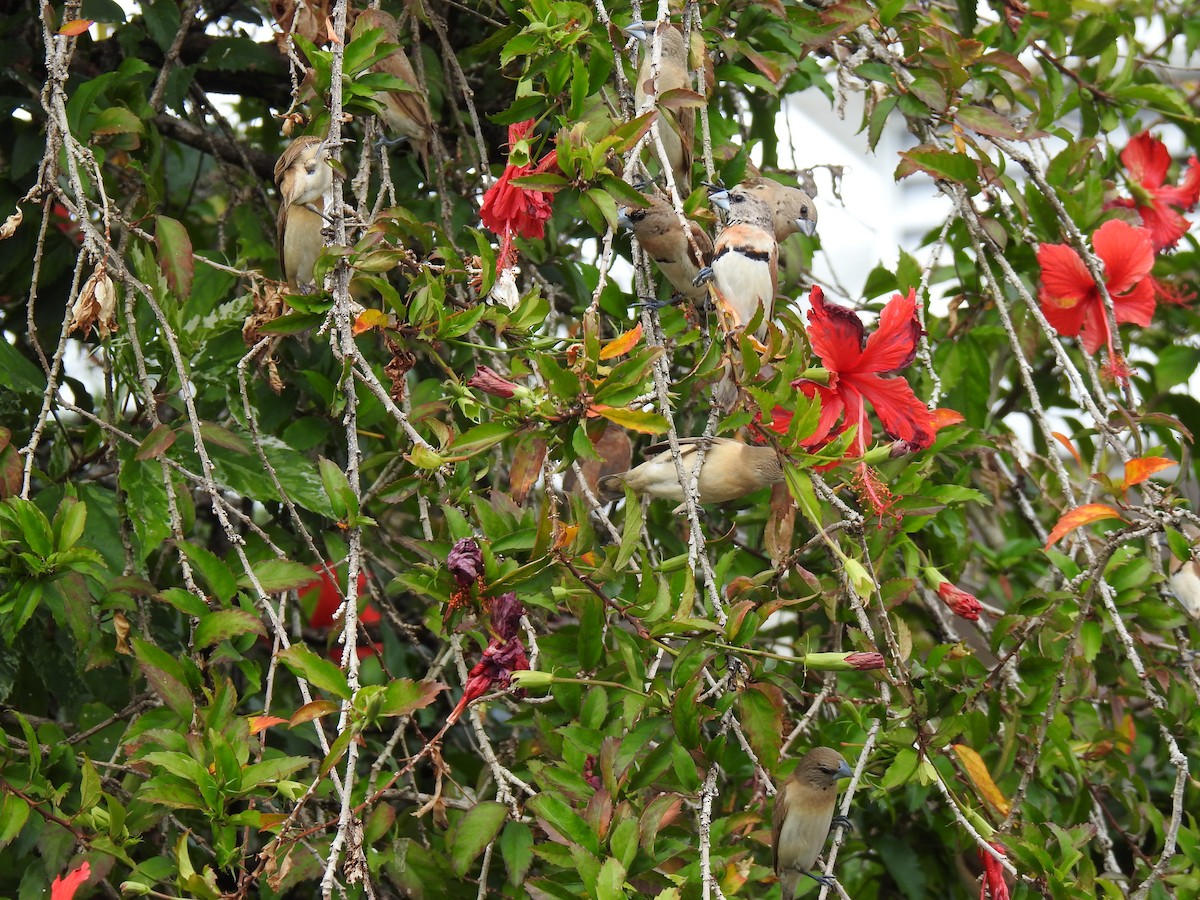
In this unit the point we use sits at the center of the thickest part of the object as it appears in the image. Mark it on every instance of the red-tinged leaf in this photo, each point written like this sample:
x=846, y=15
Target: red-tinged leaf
x=631, y=132
x=929, y=92
x=760, y=708
x=1066, y=442
x=1138, y=470
x=769, y=70
x=156, y=443
x=76, y=27
x=984, y=121
x=369, y=319
x=262, y=723
x=404, y=696
x=526, y=468
x=225, y=625
x=313, y=710
x=1081, y=515
x=622, y=344
x=633, y=419
x=117, y=120
x=939, y=163
x=175, y=255
x=223, y=437
x=681, y=98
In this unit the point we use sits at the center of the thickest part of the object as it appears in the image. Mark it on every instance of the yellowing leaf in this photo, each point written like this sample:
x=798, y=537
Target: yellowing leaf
x=262, y=723
x=1081, y=515
x=76, y=27
x=978, y=773
x=633, y=419
x=368, y=319
x=622, y=344
x=1138, y=470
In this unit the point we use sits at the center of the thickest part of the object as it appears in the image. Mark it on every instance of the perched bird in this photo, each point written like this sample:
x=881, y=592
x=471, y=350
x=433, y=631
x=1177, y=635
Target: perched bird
x=745, y=266
x=792, y=210
x=658, y=230
x=303, y=176
x=731, y=469
x=405, y=114
x=804, y=807
x=677, y=127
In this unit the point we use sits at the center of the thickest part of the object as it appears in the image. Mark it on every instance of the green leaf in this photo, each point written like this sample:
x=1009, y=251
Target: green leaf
x=17, y=373
x=316, y=671
x=516, y=847
x=760, y=708
x=14, y=813
x=610, y=881
x=275, y=575
x=985, y=121
x=945, y=164
x=474, y=832
x=166, y=677
x=222, y=582
x=404, y=696
x=156, y=443
x=559, y=816
x=270, y=771
x=633, y=419
x=226, y=624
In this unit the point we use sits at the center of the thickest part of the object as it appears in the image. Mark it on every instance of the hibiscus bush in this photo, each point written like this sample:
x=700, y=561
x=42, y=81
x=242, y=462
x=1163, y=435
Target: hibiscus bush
x=314, y=593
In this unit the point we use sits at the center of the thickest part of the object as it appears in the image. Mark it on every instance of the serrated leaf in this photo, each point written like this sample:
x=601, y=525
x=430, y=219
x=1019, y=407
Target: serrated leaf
x=225, y=624
x=318, y=672
x=474, y=832
x=622, y=344
x=281, y=575
x=175, y=255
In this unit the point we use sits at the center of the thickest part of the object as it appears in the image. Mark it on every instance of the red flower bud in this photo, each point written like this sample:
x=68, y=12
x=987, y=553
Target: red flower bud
x=492, y=382
x=964, y=605
x=994, y=885
x=465, y=562
x=864, y=662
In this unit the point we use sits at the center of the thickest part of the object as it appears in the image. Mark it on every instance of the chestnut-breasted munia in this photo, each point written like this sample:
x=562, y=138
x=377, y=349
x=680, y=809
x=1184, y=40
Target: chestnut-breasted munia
x=745, y=266
x=677, y=127
x=804, y=806
x=731, y=469
x=660, y=233
x=405, y=114
x=303, y=176
x=792, y=210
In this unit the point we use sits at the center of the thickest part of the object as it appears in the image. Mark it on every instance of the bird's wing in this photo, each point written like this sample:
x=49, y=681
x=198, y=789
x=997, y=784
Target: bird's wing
x=687, y=445
x=778, y=814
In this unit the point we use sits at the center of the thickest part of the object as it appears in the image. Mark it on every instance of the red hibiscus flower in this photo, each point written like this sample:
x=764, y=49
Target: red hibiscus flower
x=856, y=367
x=508, y=209
x=1160, y=206
x=994, y=885
x=1071, y=300
x=64, y=886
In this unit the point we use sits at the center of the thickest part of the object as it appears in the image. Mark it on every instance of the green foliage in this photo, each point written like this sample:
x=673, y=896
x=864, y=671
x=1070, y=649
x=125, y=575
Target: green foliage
x=235, y=660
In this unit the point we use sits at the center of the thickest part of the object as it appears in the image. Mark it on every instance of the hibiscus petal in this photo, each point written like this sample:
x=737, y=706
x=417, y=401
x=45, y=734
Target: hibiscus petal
x=856, y=413
x=1094, y=334
x=1065, y=279
x=1127, y=251
x=1147, y=159
x=1187, y=194
x=901, y=414
x=1137, y=306
x=835, y=332
x=1067, y=320
x=893, y=345
x=1166, y=225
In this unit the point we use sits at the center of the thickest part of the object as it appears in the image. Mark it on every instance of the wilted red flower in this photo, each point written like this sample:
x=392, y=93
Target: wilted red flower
x=508, y=209
x=492, y=382
x=64, y=886
x=465, y=562
x=961, y=603
x=506, y=615
x=856, y=365
x=1147, y=160
x=994, y=885
x=1071, y=300
x=500, y=660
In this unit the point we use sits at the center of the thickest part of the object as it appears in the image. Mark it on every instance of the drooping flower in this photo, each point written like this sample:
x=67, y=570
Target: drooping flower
x=856, y=366
x=994, y=886
x=64, y=886
x=492, y=382
x=508, y=209
x=465, y=563
x=1071, y=300
x=503, y=655
x=1161, y=206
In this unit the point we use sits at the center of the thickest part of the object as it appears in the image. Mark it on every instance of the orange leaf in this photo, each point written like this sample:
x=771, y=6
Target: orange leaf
x=564, y=536
x=76, y=27
x=368, y=319
x=622, y=344
x=944, y=418
x=1066, y=442
x=262, y=723
x=1081, y=515
x=978, y=773
x=1138, y=470
x=331, y=32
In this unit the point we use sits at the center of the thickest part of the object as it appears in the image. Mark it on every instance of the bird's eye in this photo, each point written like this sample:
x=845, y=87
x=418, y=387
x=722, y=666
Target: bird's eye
x=310, y=167
x=804, y=212
x=636, y=215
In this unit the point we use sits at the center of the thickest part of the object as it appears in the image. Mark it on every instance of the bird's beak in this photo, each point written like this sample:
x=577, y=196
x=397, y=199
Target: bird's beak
x=807, y=226
x=623, y=219
x=637, y=30
x=844, y=770
x=720, y=199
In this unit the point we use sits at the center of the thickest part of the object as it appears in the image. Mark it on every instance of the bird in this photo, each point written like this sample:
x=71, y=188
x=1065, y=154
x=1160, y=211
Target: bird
x=803, y=813
x=679, y=135
x=745, y=266
x=303, y=176
x=405, y=114
x=660, y=233
x=731, y=469
x=792, y=210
